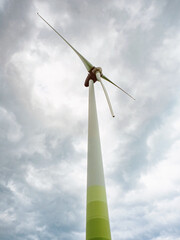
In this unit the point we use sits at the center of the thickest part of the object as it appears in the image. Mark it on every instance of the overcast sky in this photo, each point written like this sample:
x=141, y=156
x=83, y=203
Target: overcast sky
x=43, y=117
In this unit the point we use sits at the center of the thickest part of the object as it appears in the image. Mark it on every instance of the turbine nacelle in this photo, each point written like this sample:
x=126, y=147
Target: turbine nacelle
x=92, y=75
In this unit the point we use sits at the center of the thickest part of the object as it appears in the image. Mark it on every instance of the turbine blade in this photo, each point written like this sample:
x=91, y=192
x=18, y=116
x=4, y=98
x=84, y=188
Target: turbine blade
x=105, y=92
x=86, y=63
x=116, y=86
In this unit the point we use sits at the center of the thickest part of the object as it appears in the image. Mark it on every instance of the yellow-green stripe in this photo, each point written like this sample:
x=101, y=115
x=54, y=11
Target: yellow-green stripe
x=97, y=209
x=96, y=193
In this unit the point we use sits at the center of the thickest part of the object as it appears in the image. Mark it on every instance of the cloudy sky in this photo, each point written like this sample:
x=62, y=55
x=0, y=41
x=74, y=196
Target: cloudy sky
x=43, y=117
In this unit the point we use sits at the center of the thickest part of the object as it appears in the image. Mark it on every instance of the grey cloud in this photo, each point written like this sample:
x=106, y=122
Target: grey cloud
x=15, y=27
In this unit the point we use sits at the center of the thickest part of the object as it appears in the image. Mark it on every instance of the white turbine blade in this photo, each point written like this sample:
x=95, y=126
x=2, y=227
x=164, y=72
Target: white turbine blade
x=105, y=92
x=107, y=79
x=86, y=63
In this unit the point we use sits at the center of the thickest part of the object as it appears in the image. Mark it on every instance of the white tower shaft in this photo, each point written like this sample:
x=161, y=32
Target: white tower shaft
x=97, y=220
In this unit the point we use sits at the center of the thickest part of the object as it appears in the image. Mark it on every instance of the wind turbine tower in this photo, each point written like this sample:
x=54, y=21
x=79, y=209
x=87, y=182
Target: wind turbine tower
x=97, y=219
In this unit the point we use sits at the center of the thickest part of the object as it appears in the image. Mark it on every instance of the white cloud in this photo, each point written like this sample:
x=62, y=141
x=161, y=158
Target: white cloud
x=10, y=129
x=8, y=216
x=167, y=55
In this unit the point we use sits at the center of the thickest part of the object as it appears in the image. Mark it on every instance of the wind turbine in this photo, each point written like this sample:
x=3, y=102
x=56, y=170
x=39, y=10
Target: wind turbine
x=97, y=219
